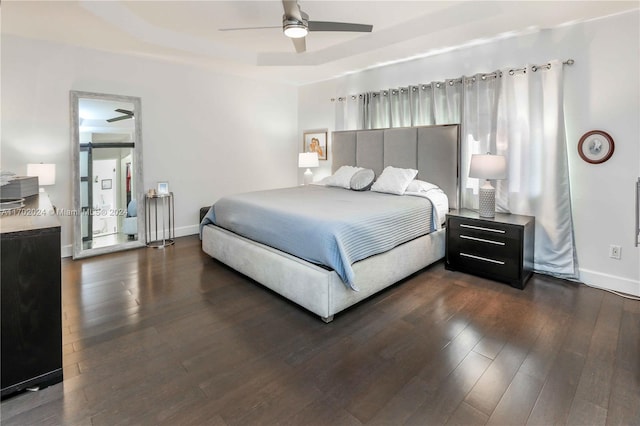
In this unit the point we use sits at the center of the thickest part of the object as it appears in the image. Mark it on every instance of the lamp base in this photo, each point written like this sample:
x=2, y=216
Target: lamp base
x=308, y=177
x=487, y=201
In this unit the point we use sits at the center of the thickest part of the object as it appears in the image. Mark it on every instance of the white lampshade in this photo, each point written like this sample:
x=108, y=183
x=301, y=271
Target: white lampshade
x=487, y=166
x=308, y=159
x=46, y=173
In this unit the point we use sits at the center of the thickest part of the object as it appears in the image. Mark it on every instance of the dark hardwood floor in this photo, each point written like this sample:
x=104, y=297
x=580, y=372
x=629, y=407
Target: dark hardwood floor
x=174, y=337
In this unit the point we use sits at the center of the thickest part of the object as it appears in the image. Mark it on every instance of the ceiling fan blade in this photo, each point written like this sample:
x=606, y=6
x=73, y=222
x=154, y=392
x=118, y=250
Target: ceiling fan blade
x=339, y=26
x=122, y=117
x=300, y=44
x=292, y=9
x=248, y=28
x=124, y=111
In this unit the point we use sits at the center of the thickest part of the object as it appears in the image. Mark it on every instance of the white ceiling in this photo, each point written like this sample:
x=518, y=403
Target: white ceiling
x=94, y=114
x=188, y=31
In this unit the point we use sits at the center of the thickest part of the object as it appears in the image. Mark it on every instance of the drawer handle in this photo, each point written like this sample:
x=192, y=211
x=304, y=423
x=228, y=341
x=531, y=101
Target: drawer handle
x=499, y=262
x=482, y=240
x=499, y=231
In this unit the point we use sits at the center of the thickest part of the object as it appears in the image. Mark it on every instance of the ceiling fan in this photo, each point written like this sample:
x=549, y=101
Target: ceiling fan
x=127, y=115
x=296, y=25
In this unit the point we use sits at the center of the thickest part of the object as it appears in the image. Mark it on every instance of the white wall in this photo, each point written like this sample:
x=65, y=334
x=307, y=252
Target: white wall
x=601, y=92
x=207, y=134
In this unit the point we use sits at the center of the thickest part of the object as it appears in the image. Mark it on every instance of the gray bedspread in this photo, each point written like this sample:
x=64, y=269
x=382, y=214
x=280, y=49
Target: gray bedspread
x=329, y=226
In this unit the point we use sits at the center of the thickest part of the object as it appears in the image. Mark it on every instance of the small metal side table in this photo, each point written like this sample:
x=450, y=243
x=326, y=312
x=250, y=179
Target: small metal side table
x=159, y=211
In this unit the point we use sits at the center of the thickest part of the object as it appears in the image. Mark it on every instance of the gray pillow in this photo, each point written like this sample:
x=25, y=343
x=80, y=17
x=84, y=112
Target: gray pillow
x=362, y=180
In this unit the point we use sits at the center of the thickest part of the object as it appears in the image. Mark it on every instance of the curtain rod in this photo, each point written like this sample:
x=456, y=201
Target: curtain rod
x=451, y=82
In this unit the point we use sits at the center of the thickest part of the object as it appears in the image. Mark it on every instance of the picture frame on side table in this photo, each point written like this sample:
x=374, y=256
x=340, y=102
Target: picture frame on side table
x=163, y=188
x=315, y=141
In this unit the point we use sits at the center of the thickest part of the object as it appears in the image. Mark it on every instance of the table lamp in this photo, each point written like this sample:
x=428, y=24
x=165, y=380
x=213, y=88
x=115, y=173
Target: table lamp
x=46, y=174
x=489, y=167
x=308, y=159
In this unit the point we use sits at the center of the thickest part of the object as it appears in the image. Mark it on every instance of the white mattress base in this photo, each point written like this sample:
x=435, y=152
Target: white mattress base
x=319, y=290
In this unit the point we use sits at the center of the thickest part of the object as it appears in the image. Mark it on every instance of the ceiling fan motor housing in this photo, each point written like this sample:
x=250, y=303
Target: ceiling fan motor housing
x=294, y=28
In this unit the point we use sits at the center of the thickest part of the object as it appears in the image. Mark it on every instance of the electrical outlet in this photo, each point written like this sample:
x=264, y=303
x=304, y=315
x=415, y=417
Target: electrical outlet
x=615, y=252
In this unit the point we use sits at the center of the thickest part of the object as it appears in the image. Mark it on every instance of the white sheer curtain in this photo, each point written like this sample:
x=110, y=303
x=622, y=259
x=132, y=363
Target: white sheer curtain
x=421, y=105
x=371, y=110
x=478, y=129
x=515, y=113
x=447, y=101
x=421, y=99
x=400, y=107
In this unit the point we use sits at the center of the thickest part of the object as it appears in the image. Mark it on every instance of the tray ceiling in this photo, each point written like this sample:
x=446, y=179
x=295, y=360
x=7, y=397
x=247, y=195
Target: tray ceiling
x=188, y=31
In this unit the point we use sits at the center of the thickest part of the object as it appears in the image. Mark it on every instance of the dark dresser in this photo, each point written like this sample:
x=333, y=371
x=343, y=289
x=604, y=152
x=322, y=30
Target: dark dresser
x=499, y=248
x=31, y=297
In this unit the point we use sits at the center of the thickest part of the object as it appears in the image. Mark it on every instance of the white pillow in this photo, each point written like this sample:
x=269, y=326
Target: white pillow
x=394, y=180
x=321, y=182
x=362, y=180
x=420, y=186
x=342, y=177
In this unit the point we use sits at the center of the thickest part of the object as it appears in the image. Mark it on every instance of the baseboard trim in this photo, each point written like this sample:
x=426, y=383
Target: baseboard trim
x=610, y=282
x=183, y=231
x=66, y=251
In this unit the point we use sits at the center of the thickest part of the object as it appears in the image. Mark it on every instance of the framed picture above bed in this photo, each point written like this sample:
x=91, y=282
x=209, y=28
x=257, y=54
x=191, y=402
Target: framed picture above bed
x=315, y=141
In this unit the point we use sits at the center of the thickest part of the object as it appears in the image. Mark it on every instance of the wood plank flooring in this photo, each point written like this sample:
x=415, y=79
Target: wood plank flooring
x=174, y=337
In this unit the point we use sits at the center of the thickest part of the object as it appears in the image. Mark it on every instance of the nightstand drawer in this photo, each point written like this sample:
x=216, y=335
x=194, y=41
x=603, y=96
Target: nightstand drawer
x=483, y=263
x=499, y=248
x=488, y=230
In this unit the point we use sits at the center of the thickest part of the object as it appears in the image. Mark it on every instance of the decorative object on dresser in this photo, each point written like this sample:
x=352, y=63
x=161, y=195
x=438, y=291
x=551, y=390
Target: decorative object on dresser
x=31, y=297
x=6, y=177
x=500, y=248
x=46, y=174
x=596, y=147
x=20, y=187
x=307, y=160
x=10, y=205
x=489, y=167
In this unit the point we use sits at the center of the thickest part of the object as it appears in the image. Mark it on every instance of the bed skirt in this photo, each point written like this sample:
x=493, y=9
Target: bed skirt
x=319, y=290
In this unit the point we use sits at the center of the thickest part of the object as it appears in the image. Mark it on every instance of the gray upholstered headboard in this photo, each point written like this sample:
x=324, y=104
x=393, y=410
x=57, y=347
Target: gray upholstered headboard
x=432, y=150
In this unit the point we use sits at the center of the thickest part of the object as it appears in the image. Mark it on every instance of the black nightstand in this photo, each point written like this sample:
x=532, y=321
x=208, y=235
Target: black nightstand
x=499, y=248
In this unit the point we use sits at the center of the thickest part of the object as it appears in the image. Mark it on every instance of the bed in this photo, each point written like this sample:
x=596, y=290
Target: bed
x=325, y=290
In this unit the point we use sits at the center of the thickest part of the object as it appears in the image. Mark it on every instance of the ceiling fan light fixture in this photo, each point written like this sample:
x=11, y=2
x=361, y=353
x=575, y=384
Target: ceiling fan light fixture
x=294, y=28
